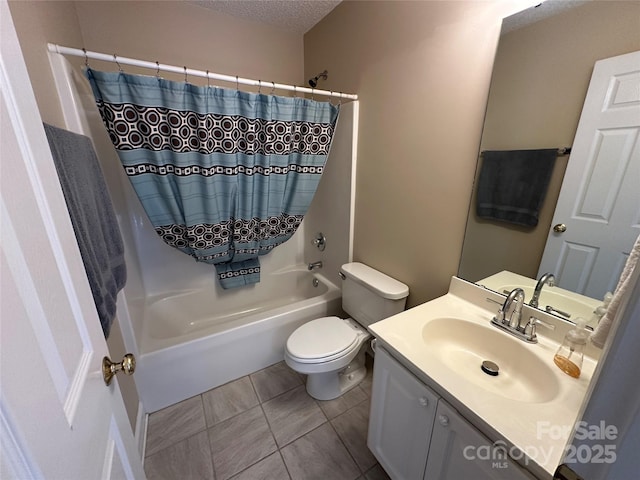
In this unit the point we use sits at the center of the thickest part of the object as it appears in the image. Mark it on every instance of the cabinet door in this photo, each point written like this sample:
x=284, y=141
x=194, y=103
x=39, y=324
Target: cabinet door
x=401, y=419
x=459, y=451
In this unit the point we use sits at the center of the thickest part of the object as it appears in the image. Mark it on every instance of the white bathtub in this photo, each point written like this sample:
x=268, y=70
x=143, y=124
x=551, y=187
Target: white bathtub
x=194, y=341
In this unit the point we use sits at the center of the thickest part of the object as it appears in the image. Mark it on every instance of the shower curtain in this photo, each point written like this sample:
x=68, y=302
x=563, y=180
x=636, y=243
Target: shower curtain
x=224, y=175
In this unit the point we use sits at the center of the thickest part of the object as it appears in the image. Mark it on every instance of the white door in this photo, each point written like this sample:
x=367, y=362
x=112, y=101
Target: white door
x=599, y=200
x=58, y=419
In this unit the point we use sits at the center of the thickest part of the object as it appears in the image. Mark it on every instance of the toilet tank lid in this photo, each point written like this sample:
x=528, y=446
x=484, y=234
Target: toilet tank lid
x=382, y=284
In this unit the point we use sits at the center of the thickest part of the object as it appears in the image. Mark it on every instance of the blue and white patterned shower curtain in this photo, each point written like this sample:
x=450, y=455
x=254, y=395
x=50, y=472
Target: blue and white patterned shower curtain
x=224, y=175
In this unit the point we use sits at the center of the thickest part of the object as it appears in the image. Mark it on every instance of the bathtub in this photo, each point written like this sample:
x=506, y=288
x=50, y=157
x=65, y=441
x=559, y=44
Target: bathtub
x=194, y=341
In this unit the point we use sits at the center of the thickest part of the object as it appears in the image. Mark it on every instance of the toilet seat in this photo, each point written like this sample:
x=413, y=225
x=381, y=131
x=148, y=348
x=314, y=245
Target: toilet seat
x=322, y=340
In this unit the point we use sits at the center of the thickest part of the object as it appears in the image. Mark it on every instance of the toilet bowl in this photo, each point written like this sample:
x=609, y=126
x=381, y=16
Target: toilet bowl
x=331, y=350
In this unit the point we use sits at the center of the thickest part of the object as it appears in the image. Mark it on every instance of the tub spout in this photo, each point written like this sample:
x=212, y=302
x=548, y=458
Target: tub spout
x=314, y=265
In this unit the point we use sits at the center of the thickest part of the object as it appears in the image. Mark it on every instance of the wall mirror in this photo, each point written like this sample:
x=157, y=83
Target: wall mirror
x=541, y=75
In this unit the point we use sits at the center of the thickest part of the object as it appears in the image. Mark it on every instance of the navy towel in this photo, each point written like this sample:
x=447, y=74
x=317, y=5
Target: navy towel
x=93, y=218
x=513, y=183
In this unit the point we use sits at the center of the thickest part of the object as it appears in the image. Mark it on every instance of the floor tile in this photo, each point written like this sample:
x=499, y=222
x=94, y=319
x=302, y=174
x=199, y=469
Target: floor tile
x=274, y=380
x=352, y=427
x=292, y=414
x=319, y=455
x=228, y=400
x=189, y=459
x=175, y=423
x=270, y=468
x=377, y=473
x=249, y=418
x=337, y=406
x=239, y=442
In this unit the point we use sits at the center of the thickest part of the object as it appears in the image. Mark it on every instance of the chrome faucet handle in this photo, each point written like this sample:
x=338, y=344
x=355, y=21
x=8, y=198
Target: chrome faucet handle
x=500, y=314
x=550, y=309
x=530, y=328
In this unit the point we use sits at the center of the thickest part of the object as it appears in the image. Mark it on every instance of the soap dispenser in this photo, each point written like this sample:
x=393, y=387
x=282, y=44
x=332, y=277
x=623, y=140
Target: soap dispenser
x=569, y=356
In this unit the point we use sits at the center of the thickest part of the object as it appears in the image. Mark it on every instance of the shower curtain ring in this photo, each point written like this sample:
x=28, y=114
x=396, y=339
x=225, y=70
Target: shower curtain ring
x=273, y=88
x=237, y=85
x=86, y=57
x=185, y=74
x=259, y=86
x=115, y=59
x=157, y=69
x=295, y=91
x=208, y=84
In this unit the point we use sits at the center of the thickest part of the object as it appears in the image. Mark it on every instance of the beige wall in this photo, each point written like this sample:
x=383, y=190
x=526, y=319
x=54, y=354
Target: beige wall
x=422, y=72
x=540, y=80
x=179, y=33
x=38, y=23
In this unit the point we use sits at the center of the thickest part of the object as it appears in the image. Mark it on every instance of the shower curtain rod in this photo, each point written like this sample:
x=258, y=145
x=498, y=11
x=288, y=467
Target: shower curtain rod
x=77, y=52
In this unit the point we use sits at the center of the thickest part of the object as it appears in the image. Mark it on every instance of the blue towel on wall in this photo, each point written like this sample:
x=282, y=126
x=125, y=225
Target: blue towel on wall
x=93, y=218
x=513, y=183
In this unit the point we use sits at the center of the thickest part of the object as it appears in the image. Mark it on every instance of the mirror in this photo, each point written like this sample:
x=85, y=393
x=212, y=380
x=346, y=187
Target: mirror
x=541, y=74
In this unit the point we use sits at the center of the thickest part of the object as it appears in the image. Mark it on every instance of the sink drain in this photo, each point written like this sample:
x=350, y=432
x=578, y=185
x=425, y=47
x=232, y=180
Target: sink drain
x=490, y=368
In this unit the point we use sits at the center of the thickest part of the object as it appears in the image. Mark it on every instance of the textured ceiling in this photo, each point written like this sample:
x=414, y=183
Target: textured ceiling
x=535, y=14
x=301, y=15
x=293, y=15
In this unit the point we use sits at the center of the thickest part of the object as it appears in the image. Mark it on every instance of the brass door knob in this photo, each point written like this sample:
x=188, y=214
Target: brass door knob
x=559, y=228
x=109, y=369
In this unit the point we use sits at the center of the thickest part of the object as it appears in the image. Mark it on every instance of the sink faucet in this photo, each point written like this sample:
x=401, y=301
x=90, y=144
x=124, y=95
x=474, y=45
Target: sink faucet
x=511, y=311
x=509, y=317
x=547, y=279
x=314, y=265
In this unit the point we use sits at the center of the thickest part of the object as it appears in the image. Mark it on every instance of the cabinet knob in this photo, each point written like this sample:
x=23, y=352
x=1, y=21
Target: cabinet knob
x=444, y=420
x=423, y=401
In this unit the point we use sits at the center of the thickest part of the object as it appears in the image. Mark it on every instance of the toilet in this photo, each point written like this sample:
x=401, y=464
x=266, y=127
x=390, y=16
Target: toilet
x=331, y=350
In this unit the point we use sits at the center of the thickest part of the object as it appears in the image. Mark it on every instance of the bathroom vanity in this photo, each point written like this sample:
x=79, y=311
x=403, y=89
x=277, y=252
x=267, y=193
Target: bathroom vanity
x=435, y=414
x=414, y=431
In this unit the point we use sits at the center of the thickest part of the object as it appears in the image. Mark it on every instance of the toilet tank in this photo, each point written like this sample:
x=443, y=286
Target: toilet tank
x=368, y=295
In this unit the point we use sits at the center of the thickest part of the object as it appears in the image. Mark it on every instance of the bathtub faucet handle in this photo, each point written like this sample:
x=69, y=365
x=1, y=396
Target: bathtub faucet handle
x=314, y=265
x=319, y=241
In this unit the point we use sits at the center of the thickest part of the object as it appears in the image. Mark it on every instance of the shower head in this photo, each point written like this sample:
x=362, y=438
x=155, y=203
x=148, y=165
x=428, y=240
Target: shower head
x=314, y=81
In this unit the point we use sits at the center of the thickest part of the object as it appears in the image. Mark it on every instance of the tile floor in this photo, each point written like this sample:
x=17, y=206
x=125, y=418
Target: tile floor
x=263, y=427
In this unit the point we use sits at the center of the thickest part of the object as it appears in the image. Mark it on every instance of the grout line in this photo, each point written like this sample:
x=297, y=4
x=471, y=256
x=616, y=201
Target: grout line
x=286, y=467
x=206, y=431
x=346, y=448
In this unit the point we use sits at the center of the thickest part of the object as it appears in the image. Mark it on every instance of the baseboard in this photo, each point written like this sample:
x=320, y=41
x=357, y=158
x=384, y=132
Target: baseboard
x=142, y=422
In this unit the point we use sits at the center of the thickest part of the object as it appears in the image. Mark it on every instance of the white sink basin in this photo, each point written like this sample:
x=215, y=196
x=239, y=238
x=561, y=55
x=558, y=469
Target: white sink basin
x=462, y=346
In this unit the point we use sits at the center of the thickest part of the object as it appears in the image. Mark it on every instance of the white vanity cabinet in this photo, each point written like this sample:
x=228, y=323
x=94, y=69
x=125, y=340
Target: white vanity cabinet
x=401, y=419
x=458, y=450
x=415, y=434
